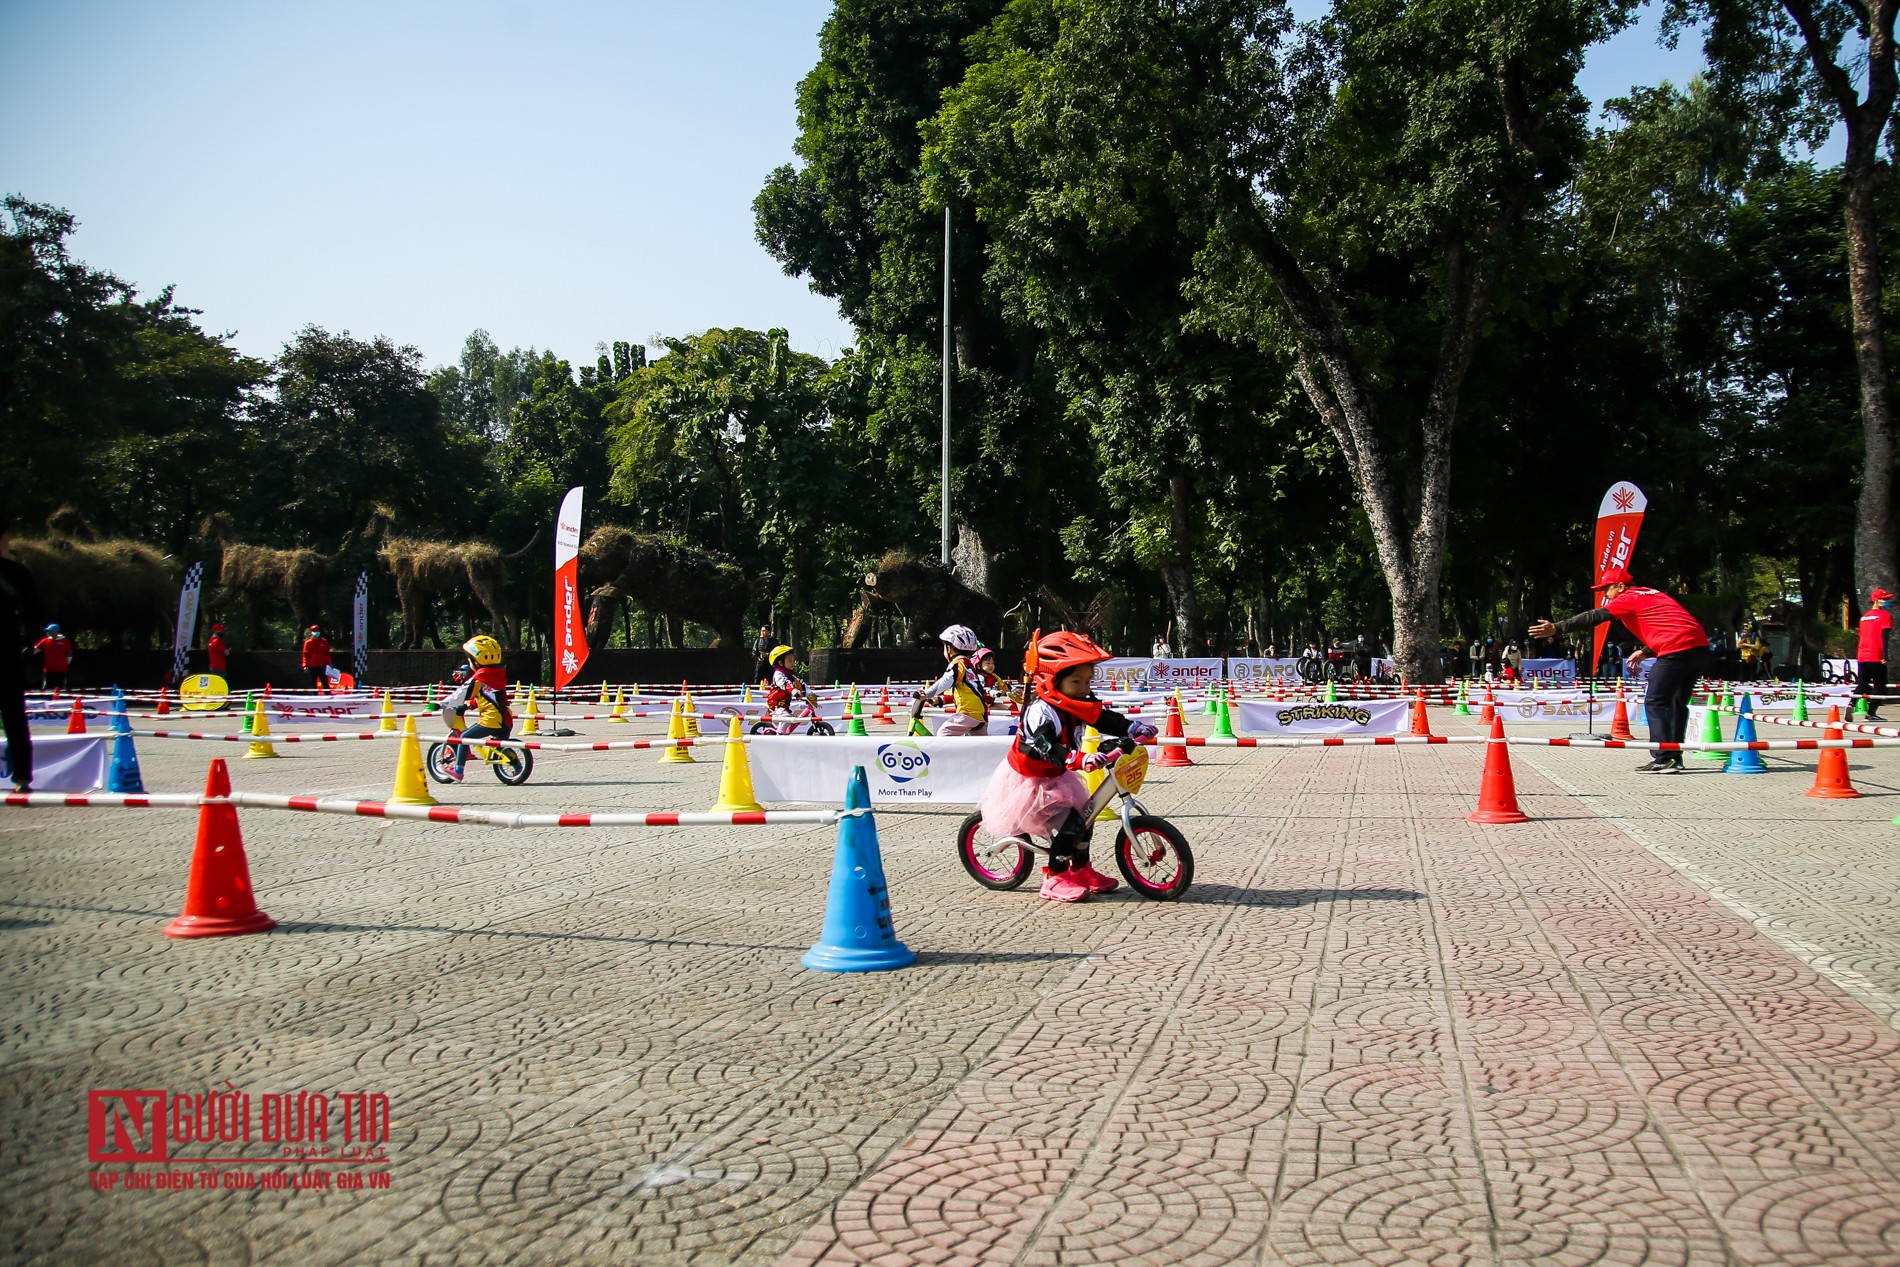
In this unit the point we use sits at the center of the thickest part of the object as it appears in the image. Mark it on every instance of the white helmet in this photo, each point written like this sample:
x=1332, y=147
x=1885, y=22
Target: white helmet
x=962, y=637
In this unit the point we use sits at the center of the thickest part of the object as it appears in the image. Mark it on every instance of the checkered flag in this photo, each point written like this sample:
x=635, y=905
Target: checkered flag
x=359, y=610
x=187, y=619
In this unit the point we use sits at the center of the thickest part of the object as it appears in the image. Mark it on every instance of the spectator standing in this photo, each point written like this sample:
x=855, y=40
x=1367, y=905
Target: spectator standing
x=761, y=652
x=56, y=659
x=316, y=658
x=1667, y=630
x=1161, y=649
x=19, y=614
x=1876, y=625
x=216, y=652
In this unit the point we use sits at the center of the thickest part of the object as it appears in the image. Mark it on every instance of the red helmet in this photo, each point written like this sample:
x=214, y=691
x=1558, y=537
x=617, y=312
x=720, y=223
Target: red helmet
x=1050, y=654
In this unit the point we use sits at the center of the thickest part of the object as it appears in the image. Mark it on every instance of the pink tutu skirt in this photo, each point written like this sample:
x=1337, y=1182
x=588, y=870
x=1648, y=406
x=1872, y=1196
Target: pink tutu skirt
x=1024, y=805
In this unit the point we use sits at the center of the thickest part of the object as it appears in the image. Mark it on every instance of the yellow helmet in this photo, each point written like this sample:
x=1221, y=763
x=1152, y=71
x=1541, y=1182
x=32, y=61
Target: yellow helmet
x=776, y=652
x=482, y=651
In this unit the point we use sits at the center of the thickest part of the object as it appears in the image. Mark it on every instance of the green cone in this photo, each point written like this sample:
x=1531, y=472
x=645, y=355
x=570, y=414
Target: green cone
x=1800, y=702
x=1860, y=708
x=250, y=710
x=1463, y=708
x=1223, y=721
x=1332, y=693
x=1711, y=731
x=857, y=718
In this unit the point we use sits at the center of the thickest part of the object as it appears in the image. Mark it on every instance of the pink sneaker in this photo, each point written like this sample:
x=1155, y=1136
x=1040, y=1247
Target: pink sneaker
x=1095, y=880
x=1062, y=886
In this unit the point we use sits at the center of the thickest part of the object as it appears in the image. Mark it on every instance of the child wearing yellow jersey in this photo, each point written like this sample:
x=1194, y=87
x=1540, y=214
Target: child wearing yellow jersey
x=486, y=691
x=963, y=683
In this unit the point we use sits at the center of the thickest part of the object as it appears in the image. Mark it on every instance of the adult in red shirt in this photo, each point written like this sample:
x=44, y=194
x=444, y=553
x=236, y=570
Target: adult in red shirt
x=1664, y=629
x=316, y=658
x=56, y=657
x=216, y=650
x=1875, y=624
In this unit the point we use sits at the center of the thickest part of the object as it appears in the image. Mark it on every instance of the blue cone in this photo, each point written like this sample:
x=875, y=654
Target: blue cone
x=1744, y=762
x=859, y=935
x=122, y=775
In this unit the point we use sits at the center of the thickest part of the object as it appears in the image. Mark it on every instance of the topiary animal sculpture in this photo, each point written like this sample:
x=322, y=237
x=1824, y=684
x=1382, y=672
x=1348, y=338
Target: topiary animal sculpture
x=928, y=597
x=665, y=575
x=257, y=575
x=423, y=569
x=119, y=589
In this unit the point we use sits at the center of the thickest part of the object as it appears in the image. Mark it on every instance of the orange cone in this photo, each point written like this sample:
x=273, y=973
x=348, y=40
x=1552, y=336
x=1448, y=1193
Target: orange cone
x=1490, y=712
x=164, y=702
x=1620, y=720
x=1830, y=775
x=1497, y=792
x=1421, y=724
x=76, y=724
x=883, y=713
x=218, y=897
x=1171, y=754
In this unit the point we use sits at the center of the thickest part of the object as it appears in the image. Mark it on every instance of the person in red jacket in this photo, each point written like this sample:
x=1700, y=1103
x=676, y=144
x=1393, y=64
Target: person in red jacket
x=1664, y=629
x=316, y=658
x=216, y=650
x=56, y=657
x=1876, y=623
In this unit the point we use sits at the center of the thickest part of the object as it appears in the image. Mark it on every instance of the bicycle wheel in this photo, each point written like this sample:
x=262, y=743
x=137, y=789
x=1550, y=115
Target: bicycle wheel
x=1156, y=861
x=513, y=765
x=992, y=864
x=821, y=727
x=441, y=762
x=763, y=728
x=1313, y=671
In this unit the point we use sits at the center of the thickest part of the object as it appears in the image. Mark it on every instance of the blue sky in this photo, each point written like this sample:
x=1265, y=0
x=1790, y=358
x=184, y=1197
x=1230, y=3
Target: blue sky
x=560, y=173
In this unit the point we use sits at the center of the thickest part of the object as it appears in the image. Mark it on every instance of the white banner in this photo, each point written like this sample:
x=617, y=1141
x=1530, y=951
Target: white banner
x=1357, y=717
x=1137, y=673
x=1533, y=707
x=63, y=763
x=282, y=709
x=797, y=768
x=1245, y=669
x=187, y=618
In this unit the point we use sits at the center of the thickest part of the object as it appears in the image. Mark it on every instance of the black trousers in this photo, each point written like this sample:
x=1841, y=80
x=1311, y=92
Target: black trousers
x=1672, y=680
x=1871, y=680
x=13, y=717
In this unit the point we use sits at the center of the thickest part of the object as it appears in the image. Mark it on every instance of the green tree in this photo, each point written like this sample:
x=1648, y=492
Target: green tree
x=1364, y=179
x=350, y=424
x=126, y=408
x=1807, y=66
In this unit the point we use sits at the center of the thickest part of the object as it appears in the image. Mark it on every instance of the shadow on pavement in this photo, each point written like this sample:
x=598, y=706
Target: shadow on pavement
x=1229, y=895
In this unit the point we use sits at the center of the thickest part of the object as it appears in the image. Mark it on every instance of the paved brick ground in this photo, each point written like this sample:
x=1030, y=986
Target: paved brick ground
x=1651, y=1026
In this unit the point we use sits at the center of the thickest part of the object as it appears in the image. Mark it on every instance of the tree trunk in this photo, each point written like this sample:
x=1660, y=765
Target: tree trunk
x=1177, y=570
x=1873, y=523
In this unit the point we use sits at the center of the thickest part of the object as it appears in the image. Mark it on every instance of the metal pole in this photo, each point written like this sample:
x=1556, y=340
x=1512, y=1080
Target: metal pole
x=946, y=384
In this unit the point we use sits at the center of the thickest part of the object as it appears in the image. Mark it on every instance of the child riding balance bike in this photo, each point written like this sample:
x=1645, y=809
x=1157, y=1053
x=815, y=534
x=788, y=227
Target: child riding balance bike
x=485, y=691
x=1035, y=792
x=789, y=703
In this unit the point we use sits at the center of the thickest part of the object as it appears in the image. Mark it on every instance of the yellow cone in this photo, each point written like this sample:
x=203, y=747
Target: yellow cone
x=620, y=708
x=412, y=788
x=676, y=729
x=389, y=714
x=692, y=716
x=604, y=701
x=735, y=777
x=531, y=716
x=260, y=733
x=748, y=693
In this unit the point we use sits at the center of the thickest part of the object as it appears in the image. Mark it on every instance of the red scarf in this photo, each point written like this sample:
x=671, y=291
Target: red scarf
x=492, y=676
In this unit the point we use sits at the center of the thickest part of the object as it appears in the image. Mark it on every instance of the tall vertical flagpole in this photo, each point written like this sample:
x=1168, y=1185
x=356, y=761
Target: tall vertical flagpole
x=946, y=383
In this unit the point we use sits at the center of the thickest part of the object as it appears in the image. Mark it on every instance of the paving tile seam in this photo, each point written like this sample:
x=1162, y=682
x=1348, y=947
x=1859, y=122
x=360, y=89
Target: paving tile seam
x=1877, y=1001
